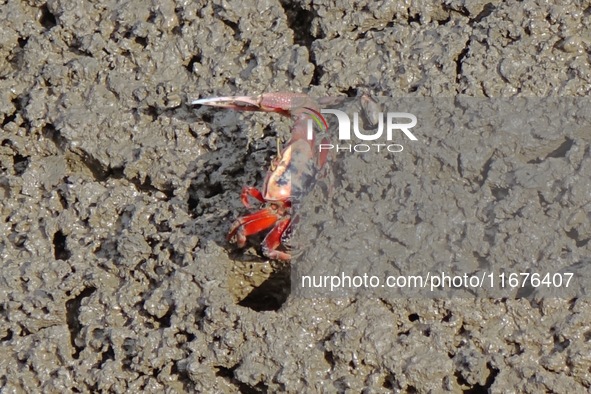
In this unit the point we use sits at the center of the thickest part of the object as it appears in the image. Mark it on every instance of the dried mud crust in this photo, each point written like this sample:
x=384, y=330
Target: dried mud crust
x=115, y=197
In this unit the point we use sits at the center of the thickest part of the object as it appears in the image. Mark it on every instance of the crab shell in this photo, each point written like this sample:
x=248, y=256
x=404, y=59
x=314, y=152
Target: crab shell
x=291, y=173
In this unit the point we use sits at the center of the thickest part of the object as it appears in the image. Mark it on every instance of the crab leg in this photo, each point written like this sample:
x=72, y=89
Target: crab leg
x=252, y=192
x=273, y=240
x=251, y=224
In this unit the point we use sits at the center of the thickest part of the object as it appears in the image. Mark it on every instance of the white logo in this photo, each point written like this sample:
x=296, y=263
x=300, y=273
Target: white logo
x=345, y=130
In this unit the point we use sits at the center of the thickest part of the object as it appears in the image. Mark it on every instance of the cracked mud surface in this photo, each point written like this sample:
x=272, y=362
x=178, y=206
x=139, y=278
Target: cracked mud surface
x=115, y=197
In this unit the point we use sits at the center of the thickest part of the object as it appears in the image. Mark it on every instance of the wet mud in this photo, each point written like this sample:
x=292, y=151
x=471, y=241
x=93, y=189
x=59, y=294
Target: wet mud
x=116, y=196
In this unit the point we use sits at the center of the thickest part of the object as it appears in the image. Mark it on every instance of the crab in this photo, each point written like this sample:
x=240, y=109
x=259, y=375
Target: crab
x=291, y=172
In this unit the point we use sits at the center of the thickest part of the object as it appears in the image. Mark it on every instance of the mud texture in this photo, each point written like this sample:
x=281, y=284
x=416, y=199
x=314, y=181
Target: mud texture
x=486, y=189
x=115, y=197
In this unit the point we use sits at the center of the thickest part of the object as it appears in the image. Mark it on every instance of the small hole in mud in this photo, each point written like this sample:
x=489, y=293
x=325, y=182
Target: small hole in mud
x=416, y=18
x=317, y=75
x=499, y=193
x=207, y=118
x=444, y=21
x=7, y=337
x=153, y=16
x=192, y=203
x=107, y=355
x=389, y=382
x=49, y=131
x=47, y=19
x=404, y=333
x=271, y=294
x=351, y=92
x=22, y=41
x=143, y=41
x=478, y=388
x=234, y=27
x=194, y=59
x=20, y=164
x=300, y=21
x=8, y=119
x=60, y=250
x=413, y=317
x=329, y=357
